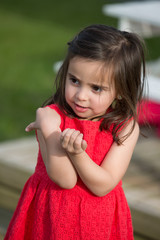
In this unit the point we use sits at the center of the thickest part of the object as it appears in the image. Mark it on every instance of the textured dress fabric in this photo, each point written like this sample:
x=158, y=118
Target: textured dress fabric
x=45, y=211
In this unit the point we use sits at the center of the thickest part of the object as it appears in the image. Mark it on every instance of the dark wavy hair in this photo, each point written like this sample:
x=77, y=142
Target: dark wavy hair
x=123, y=53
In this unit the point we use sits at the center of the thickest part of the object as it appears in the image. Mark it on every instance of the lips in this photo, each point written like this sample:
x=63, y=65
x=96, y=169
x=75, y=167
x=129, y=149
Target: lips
x=80, y=108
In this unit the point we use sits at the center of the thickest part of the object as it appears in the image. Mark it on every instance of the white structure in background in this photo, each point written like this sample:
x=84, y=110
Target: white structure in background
x=144, y=19
x=140, y=17
x=56, y=66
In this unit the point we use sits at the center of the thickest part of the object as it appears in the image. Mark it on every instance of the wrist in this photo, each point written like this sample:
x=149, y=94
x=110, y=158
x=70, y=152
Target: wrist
x=77, y=156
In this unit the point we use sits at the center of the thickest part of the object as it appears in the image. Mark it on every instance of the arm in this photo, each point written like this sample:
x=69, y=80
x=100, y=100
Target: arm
x=102, y=179
x=58, y=165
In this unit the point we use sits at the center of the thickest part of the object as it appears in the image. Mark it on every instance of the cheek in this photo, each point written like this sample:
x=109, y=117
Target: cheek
x=106, y=101
x=68, y=92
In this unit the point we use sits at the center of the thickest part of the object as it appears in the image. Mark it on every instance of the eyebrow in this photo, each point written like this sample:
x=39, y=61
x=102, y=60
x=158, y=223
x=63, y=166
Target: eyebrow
x=91, y=84
x=73, y=76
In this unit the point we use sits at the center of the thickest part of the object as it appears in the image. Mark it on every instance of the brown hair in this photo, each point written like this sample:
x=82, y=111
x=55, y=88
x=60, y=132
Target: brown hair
x=123, y=52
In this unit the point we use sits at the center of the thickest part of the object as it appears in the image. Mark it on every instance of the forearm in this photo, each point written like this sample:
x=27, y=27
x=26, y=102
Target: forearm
x=100, y=179
x=58, y=165
x=96, y=178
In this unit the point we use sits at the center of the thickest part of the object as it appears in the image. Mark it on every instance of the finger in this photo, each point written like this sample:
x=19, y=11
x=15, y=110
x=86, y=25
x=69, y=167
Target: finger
x=72, y=139
x=66, y=137
x=84, y=145
x=31, y=127
x=64, y=132
x=78, y=141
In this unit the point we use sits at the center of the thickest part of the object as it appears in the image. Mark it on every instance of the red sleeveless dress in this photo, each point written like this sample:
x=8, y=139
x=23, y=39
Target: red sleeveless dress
x=47, y=212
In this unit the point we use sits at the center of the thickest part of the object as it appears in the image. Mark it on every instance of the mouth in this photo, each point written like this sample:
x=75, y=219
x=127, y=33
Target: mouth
x=80, y=108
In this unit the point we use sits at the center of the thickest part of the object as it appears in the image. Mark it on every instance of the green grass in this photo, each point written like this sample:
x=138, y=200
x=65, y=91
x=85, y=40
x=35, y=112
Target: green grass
x=33, y=36
x=27, y=55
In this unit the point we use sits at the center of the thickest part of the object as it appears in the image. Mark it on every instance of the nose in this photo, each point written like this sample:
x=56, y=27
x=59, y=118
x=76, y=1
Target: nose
x=82, y=94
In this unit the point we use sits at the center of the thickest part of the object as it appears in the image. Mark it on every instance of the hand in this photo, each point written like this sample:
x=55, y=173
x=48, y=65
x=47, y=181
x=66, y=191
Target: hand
x=31, y=126
x=72, y=141
x=47, y=120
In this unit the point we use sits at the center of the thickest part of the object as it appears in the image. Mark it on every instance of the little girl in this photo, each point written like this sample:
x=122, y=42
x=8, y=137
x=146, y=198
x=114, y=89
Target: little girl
x=86, y=133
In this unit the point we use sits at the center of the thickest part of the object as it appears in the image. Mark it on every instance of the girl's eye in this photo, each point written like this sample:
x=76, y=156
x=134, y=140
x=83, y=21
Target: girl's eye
x=74, y=80
x=97, y=89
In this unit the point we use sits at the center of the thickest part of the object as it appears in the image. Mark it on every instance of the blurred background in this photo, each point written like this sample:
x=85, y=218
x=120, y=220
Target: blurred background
x=33, y=37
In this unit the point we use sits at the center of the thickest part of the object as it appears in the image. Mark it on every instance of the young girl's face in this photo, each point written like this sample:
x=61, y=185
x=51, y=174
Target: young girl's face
x=85, y=92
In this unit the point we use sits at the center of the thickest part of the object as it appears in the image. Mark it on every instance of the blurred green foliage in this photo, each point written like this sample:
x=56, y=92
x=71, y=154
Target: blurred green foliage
x=33, y=36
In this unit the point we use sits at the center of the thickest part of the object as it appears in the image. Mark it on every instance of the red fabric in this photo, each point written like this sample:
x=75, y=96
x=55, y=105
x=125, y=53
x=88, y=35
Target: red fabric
x=46, y=211
x=150, y=113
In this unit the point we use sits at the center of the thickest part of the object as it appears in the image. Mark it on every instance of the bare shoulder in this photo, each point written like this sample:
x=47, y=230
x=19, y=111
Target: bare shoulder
x=134, y=131
x=49, y=113
x=53, y=113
